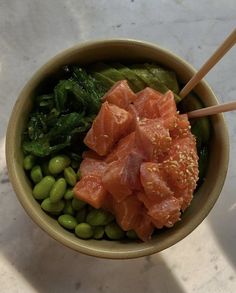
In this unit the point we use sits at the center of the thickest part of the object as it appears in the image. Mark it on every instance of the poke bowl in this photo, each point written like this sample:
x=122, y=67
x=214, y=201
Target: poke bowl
x=45, y=108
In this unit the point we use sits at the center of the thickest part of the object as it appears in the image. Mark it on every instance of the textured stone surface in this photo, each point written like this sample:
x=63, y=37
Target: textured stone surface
x=33, y=31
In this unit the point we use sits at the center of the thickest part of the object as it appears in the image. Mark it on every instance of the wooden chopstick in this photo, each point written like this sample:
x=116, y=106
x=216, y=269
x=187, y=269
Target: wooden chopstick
x=219, y=53
x=212, y=110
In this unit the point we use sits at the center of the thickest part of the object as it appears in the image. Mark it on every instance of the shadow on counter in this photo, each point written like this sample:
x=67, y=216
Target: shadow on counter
x=223, y=220
x=50, y=267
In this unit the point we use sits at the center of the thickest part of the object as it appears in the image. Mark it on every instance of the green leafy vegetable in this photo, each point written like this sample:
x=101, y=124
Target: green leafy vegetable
x=63, y=117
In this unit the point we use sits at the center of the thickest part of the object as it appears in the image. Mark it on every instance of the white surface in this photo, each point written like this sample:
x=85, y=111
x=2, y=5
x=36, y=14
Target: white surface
x=33, y=31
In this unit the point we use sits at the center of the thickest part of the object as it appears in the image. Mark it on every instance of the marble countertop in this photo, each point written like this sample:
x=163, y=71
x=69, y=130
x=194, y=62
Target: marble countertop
x=33, y=31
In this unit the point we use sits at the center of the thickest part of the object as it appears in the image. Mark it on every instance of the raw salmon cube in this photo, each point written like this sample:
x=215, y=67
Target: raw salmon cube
x=181, y=165
x=152, y=181
x=167, y=109
x=108, y=203
x=165, y=213
x=122, y=149
x=120, y=95
x=147, y=103
x=144, y=227
x=131, y=169
x=92, y=155
x=135, y=117
x=147, y=200
x=127, y=212
x=91, y=190
x=123, y=176
x=181, y=127
x=152, y=137
x=109, y=126
x=113, y=183
x=92, y=167
x=185, y=197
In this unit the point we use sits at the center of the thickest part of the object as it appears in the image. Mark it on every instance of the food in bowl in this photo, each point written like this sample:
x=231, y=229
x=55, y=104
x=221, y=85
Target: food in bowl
x=90, y=195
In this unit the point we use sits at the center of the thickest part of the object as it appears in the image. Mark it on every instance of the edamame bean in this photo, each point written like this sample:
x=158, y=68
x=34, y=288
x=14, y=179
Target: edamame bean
x=84, y=231
x=67, y=221
x=36, y=174
x=131, y=234
x=53, y=208
x=78, y=204
x=42, y=189
x=68, y=208
x=69, y=194
x=29, y=162
x=58, y=190
x=81, y=215
x=114, y=232
x=58, y=164
x=99, y=232
x=99, y=218
x=70, y=176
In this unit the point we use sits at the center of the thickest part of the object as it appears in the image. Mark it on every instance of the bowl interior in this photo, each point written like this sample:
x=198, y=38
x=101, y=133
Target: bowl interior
x=132, y=51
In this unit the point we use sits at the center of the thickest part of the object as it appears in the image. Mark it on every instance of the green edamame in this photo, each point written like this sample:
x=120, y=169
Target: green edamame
x=131, y=234
x=69, y=194
x=114, y=232
x=53, y=208
x=99, y=232
x=78, y=204
x=99, y=218
x=67, y=221
x=68, y=208
x=81, y=215
x=58, y=190
x=42, y=189
x=36, y=174
x=29, y=162
x=58, y=163
x=84, y=231
x=70, y=176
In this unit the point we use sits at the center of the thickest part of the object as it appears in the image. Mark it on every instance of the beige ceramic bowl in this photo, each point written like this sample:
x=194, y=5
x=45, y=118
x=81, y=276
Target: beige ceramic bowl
x=131, y=50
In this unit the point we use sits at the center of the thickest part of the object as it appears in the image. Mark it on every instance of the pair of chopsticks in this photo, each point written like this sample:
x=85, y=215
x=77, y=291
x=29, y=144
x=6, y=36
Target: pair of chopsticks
x=218, y=54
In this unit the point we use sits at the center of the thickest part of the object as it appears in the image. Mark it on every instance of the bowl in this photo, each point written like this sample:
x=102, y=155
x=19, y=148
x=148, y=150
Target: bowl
x=105, y=50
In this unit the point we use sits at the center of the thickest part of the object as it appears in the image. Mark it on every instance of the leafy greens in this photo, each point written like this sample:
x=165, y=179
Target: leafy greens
x=65, y=114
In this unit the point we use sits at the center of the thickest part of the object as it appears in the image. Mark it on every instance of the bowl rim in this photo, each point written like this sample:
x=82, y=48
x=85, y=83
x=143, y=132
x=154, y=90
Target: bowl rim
x=13, y=174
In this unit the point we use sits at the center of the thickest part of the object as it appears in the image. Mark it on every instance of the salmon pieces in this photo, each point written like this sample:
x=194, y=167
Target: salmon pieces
x=142, y=165
x=91, y=166
x=120, y=95
x=111, y=124
x=153, y=183
x=122, y=176
x=90, y=189
x=147, y=103
x=128, y=212
x=181, y=168
x=152, y=137
x=167, y=109
x=122, y=149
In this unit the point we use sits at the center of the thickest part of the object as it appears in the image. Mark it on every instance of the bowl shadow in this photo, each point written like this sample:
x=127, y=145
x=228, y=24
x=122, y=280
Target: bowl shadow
x=223, y=218
x=50, y=267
